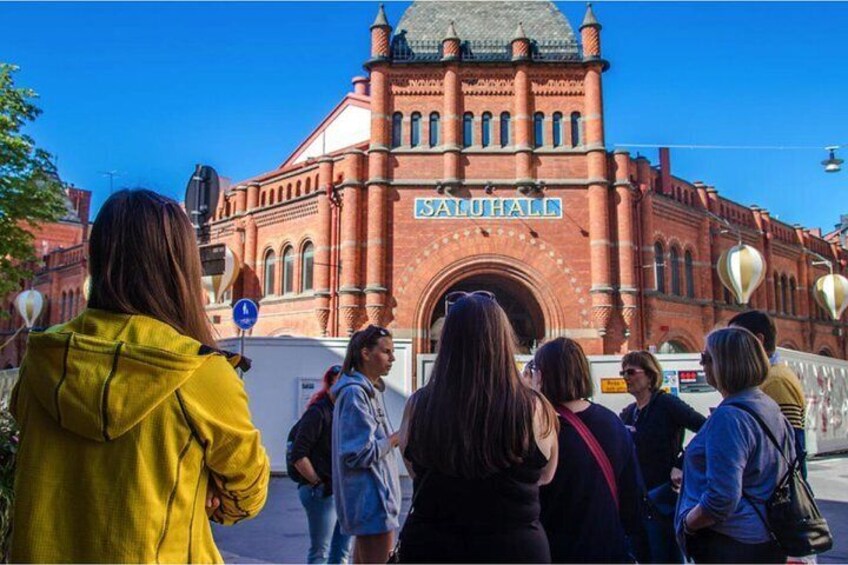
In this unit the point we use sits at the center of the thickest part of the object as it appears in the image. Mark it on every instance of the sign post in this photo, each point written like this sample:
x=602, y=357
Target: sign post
x=245, y=315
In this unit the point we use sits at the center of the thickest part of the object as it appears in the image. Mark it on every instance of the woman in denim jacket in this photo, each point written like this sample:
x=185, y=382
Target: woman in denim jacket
x=731, y=468
x=365, y=472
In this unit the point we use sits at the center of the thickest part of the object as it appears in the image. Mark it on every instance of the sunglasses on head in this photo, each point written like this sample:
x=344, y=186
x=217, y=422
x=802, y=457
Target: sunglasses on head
x=335, y=369
x=453, y=297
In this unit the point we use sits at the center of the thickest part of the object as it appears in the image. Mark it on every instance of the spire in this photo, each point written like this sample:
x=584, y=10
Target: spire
x=381, y=20
x=589, y=20
x=519, y=32
x=451, y=33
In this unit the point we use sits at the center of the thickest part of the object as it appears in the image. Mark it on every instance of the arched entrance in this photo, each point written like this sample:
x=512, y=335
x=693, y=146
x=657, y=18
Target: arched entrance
x=517, y=300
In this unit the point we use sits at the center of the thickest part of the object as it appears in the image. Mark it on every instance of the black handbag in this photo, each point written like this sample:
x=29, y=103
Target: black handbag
x=395, y=554
x=792, y=516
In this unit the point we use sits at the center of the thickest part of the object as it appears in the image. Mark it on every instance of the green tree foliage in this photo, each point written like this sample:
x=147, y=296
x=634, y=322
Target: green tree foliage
x=30, y=191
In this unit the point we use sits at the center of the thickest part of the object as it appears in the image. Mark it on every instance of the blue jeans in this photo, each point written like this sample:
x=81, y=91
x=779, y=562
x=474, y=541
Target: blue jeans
x=324, y=532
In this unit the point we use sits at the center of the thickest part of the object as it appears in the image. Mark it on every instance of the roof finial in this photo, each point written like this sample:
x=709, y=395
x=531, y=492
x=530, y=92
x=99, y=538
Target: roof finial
x=519, y=32
x=589, y=19
x=381, y=20
x=451, y=32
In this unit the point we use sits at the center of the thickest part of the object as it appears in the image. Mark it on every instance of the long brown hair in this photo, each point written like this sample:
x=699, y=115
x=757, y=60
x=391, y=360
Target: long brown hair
x=143, y=259
x=475, y=416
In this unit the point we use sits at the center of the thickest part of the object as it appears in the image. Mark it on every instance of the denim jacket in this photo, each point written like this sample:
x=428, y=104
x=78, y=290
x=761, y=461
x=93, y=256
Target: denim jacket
x=365, y=469
x=731, y=465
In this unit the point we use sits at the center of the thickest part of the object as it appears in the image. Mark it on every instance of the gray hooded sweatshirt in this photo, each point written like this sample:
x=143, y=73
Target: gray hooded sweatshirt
x=366, y=484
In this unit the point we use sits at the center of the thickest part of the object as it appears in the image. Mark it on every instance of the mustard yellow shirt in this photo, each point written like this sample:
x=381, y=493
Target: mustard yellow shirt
x=784, y=387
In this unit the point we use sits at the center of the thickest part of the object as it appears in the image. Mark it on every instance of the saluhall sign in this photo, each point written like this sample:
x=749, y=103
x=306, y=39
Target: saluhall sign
x=493, y=208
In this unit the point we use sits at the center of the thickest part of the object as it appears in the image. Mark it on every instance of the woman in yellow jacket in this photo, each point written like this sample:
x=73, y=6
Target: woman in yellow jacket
x=131, y=421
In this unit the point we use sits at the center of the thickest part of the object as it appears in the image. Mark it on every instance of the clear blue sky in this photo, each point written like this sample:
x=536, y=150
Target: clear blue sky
x=149, y=89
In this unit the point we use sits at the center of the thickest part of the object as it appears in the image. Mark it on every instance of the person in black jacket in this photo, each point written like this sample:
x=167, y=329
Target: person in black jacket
x=311, y=457
x=658, y=421
x=589, y=516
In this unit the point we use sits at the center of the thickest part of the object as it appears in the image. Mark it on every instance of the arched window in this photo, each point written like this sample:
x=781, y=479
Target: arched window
x=307, y=266
x=538, y=129
x=467, y=129
x=504, y=129
x=659, y=266
x=64, y=305
x=575, y=129
x=777, y=307
x=557, y=129
x=415, y=129
x=308, y=185
x=486, y=130
x=688, y=266
x=784, y=299
x=434, y=129
x=397, y=125
x=262, y=200
x=793, y=290
x=288, y=270
x=270, y=268
x=674, y=263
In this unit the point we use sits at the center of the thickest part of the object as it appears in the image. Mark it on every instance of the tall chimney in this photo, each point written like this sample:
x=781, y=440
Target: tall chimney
x=665, y=171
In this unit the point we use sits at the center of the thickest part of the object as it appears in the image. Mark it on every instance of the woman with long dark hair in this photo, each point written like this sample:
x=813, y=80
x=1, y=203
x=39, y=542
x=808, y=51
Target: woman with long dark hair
x=132, y=422
x=365, y=474
x=478, y=443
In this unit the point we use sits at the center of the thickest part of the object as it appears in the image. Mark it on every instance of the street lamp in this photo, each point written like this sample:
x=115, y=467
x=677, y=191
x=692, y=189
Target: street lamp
x=832, y=164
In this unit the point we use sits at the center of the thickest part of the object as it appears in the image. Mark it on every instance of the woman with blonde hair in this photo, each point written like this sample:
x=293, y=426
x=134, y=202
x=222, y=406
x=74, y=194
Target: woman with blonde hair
x=478, y=443
x=592, y=510
x=731, y=467
x=132, y=423
x=658, y=421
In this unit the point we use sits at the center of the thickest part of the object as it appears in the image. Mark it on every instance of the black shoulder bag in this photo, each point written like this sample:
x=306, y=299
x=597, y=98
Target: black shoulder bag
x=792, y=516
x=395, y=554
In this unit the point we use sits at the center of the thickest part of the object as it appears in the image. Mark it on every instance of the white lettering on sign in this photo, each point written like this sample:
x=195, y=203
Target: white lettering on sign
x=493, y=208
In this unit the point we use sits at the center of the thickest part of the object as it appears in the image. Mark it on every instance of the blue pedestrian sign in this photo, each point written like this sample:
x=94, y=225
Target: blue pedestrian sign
x=245, y=313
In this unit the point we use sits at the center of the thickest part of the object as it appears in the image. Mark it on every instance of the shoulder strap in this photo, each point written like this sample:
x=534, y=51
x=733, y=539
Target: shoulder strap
x=766, y=429
x=594, y=447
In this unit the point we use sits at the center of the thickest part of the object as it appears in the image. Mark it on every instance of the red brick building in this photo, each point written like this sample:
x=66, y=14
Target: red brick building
x=473, y=157
x=59, y=276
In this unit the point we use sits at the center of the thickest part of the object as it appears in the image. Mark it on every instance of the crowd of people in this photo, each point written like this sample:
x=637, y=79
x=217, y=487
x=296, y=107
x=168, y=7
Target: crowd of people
x=524, y=467
x=135, y=429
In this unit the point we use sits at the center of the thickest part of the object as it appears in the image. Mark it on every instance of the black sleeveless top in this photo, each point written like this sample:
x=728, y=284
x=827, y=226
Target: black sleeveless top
x=493, y=519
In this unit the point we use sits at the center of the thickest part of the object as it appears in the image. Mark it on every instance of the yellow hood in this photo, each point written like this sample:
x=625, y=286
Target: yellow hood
x=109, y=383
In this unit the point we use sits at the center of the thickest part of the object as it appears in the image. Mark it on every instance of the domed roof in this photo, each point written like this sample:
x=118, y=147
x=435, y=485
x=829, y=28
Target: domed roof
x=484, y=26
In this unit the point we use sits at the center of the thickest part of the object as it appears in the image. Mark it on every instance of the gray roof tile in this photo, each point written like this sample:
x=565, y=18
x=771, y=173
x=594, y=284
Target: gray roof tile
x=486, y=21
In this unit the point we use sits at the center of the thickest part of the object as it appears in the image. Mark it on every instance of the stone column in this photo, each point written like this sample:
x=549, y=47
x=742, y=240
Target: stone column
x=375, y=282
x=626, y=239
x=350, y=289
x=322, y=243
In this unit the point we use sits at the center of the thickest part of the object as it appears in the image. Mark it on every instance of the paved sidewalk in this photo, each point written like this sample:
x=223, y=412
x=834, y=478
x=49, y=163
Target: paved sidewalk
x=279, y=533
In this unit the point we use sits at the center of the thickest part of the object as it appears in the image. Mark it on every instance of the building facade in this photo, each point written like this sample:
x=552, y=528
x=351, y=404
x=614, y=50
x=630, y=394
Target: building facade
x=472, y=157
x=59, y=274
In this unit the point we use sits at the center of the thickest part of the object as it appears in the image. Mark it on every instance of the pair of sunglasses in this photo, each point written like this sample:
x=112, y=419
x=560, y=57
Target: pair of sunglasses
x=631, y=372
x=453, y=297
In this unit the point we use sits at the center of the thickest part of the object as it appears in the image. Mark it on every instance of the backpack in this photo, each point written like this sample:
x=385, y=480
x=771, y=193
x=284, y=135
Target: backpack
x=792, y=516
x=291, y=470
